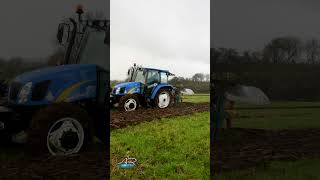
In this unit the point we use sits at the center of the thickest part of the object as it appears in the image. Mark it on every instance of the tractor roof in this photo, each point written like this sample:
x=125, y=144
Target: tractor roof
x=160, y=70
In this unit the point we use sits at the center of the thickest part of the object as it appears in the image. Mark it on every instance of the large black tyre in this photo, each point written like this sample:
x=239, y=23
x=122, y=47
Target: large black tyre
x=163, y=102
x=43, y=121
x=129, y=102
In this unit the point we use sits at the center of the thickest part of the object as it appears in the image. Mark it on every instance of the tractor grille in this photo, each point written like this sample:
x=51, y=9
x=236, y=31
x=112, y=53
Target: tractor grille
x=14, y=90
x=122, y=90
x=39, y=90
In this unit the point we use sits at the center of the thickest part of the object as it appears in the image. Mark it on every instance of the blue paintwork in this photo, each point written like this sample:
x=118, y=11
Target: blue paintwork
x=129, y=86
x=157, y=88
x=62, y=77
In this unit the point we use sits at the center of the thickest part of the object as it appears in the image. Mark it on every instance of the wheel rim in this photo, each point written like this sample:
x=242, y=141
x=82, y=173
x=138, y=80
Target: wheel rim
x=163, y=100
x=65, y=137
x=130, y=104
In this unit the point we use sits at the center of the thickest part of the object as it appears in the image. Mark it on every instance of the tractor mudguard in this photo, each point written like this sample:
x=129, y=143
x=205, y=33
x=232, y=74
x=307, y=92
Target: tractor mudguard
x=156, y=89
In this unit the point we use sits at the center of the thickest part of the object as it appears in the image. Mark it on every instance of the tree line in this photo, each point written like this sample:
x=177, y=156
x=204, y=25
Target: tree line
x=286, y=68
x=280, y=50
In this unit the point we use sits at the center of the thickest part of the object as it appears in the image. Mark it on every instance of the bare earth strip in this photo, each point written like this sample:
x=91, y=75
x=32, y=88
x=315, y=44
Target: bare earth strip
x=238, y=148
x=124, y=119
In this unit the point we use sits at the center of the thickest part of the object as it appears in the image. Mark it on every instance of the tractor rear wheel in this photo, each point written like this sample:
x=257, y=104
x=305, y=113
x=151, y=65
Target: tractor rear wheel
x=163, y=99
x=61, y=129
x=129, y=102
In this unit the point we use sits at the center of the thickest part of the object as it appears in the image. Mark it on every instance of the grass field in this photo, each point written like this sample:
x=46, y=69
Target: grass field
x=279, y=115
x=171, y=148
x=305, y=169
x=197, y=98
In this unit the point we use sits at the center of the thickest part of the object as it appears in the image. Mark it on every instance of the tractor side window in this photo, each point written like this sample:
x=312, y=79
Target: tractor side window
x=164, y=77
x=94, y=50
x=153, y=77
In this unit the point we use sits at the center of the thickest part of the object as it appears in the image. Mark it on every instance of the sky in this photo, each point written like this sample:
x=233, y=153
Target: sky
x=250, y=24
x=28, y=28
x=167, y=34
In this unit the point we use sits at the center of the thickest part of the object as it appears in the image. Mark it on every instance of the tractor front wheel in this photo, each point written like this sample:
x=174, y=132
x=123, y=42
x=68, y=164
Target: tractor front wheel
x=61, y=129
x=163, y=99
x=129, y=102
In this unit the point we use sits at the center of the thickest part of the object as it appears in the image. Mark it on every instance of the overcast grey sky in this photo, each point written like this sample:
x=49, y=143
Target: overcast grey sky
x=250, y=24
x=167, y=34
x=28, y=28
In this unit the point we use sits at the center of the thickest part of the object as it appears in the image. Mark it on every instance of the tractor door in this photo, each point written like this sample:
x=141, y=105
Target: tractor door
x=153, y=79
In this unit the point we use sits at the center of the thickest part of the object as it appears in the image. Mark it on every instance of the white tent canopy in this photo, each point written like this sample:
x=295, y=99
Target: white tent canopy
x=247, y=94
x=187, y=91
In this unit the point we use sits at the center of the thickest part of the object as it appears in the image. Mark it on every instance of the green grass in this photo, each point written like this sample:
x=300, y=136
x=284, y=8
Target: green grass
x=279, y=115
x=282, y=104
x=297, y=170
x=197, y=98
x=171, y=148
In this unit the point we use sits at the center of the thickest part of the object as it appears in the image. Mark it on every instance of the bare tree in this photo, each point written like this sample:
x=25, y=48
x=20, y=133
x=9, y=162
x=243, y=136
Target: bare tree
x=283, y=49
x=312, y=50
x=207, y=77
x=198, y=77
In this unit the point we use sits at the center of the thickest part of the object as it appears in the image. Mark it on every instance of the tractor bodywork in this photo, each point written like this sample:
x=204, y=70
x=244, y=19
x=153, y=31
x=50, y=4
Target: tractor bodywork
x=51, y=85
x=145, y=84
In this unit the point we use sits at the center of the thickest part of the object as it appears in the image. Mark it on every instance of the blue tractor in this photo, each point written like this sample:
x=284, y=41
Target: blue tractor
x=145, y=87
x=61, y=109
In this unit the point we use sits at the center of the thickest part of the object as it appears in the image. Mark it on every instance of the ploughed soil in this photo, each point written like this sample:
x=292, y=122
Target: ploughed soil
x=91, y=164
x=88, y=165
x=237, y=148
x=124, y=119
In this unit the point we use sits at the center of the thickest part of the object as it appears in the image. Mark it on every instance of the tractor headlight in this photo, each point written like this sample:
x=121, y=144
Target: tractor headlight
x=118, y=90
x=24, y=93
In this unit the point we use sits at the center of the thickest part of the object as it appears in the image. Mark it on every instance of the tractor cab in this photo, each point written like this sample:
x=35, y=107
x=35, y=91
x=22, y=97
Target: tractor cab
x=142, y=88
x=64, y=106
x=148, y=76
x=85, y=41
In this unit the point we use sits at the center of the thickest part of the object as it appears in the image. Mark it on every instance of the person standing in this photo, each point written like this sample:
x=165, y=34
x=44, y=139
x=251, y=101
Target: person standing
x=230, y=112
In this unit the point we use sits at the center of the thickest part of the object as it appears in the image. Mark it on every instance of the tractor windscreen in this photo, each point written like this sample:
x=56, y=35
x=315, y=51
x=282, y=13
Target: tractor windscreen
x=94, y=49
x=139, y=76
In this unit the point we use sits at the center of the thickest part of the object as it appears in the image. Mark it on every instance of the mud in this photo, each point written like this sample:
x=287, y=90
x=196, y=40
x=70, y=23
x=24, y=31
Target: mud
x=236, y=149
x=87, y=165
x=124, y=119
